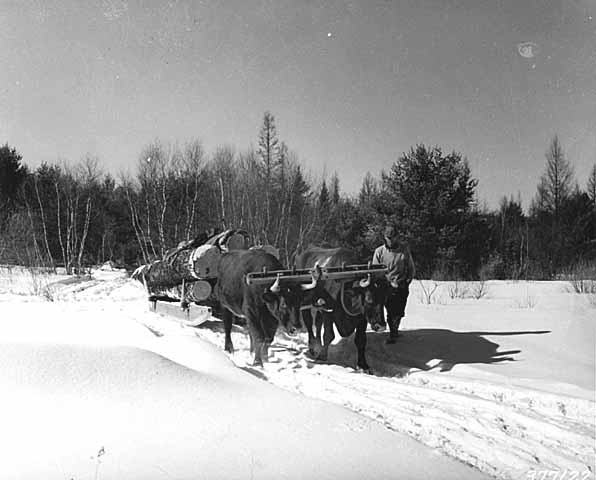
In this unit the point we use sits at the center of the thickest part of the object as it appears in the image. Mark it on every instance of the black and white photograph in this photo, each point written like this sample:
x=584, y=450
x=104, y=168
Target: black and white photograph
x=289, y=239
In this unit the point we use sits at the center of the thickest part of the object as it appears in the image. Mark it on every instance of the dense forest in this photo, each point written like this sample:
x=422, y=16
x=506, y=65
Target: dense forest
x=74, y=216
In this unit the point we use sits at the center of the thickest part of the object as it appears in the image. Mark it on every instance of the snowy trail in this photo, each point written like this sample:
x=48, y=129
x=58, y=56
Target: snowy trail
x=507, y=433
x=485, y=420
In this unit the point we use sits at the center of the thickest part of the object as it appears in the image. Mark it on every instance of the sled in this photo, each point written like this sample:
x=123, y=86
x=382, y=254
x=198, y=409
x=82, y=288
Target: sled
x=188, y=314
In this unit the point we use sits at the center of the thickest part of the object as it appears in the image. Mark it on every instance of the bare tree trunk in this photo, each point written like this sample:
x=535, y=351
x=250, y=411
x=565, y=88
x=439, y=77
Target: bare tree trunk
x=161, y=226
x=43, y=224
x=223, y=206
x=136, y=226
x=59, y=223
x=191, y=217
x=69, y=235
x=148, y=221
x=103, y=248
x=35, y=244
x=84, y=236
x=286, y=242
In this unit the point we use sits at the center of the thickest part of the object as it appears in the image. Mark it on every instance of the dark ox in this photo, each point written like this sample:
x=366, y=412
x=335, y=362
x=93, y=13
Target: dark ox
x=347, y=304
x=264, y=307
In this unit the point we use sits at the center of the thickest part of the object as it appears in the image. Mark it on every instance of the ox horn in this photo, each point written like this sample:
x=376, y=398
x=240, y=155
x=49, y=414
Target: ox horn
x=365, y=282
x=275, y=287
x=315, y=280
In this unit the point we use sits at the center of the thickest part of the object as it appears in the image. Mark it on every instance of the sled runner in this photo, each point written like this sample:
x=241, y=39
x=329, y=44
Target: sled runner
x=189, y=314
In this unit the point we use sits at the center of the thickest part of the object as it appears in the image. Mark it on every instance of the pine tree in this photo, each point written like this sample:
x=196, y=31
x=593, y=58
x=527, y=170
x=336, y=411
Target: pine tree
x=429, y=196
x=12, y=177
x=549, y=244
x=268, y=152
x=591, y=187
x=335, y=189
x=324, y=197
x=557, y=182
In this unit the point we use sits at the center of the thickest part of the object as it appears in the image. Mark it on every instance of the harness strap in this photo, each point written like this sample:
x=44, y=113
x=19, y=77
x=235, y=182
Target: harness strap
x=343, y=303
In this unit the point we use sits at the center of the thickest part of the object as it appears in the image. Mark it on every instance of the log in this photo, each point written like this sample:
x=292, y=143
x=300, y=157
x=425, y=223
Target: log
x=198, y=291
x=188, y=273
x=185, y=265
x=189, y=262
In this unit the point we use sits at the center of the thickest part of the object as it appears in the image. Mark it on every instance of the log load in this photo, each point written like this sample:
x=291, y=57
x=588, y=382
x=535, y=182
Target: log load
x=189, y=272
x=198, y=291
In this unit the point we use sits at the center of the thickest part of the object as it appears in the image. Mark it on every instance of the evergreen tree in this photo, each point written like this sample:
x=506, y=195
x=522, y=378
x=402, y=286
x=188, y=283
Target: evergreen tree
x=591, y=187
x=335, y=196
x=548, y=224
x=577, y=225
x=510, y=240
x=556, y=183
x=268, y=152
x=323, y=200
x=323, y=216
x=591, y=231
x=12, y=177
x=429, y=196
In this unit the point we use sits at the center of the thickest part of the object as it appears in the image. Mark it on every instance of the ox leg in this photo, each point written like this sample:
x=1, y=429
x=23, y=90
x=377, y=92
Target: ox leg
x=319, y=330
x=328, y=335
x=312, y=339
x=269, y=326
x=262, y=330
x=228, y=319
x=252, y=342
x=256, y=341
x=360, y=341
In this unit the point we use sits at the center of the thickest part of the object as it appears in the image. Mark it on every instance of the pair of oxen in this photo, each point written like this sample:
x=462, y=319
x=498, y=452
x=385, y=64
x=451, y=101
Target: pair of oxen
x=350, y=306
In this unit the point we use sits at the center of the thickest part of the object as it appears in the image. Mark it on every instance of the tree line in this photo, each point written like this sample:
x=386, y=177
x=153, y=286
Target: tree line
x=74, y=216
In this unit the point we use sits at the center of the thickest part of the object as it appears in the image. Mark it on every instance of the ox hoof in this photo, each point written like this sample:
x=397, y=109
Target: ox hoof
x=322, y=355
x=391, y=339
x=366, y=370
x=313, y=353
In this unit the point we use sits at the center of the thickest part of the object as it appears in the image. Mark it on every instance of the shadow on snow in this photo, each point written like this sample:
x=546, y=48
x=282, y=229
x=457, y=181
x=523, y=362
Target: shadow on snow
x=420, y=349
x=425, y=349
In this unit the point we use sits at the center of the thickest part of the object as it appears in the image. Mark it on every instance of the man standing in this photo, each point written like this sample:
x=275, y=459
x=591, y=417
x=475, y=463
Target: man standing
x=395, y=254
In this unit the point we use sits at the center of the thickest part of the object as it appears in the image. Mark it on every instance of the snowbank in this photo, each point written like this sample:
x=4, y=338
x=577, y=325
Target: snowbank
x=90, y=392
x=98, y=387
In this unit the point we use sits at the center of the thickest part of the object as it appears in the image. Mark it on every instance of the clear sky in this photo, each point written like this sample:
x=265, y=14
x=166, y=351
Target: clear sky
x=352, y=85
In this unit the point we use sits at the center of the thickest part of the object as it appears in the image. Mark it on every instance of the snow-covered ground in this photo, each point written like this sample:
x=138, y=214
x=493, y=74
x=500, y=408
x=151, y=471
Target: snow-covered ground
x=95, y=386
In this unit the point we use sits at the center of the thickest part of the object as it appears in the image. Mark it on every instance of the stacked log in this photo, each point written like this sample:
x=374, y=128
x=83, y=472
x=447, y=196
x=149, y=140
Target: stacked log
x=189, y=272
x=199, y=291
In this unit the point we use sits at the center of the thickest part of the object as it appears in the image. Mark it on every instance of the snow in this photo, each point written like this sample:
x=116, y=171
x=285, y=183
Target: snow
x=96, y=386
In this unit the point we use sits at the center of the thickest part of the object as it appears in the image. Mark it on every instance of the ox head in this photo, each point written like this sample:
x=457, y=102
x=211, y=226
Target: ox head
x=284, y=301
x=371, y=293
x=315, y=295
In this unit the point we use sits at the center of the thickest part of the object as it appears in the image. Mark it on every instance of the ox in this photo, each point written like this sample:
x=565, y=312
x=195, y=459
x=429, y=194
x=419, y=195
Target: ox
x=349, y=305
x=263, y=307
